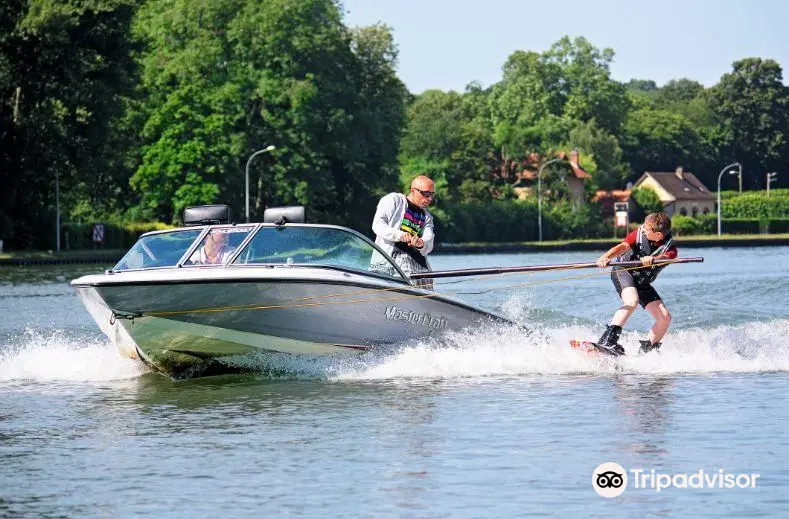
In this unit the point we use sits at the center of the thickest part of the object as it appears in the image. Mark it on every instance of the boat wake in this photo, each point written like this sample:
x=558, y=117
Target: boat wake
x=757, y=347
x=59, y=356
x=489, y=352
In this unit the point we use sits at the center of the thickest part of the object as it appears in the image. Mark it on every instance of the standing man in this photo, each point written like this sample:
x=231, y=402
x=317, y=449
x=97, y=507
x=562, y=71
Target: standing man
x=404, y=229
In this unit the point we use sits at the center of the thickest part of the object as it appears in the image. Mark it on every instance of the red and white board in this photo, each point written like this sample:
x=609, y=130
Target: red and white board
x=584, y=347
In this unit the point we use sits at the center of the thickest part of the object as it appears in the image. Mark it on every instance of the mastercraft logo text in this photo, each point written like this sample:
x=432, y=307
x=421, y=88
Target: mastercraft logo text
x=610, y=479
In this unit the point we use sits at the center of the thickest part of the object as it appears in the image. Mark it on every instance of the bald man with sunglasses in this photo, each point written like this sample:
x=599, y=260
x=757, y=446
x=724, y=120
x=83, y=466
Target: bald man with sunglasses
x=404, y=230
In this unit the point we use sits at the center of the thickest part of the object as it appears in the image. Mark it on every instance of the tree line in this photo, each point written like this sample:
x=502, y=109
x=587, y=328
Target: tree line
x=135, y=110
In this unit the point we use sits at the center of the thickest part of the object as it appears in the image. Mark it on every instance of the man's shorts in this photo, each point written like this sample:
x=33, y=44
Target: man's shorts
x=623, y=279
x=410, y=266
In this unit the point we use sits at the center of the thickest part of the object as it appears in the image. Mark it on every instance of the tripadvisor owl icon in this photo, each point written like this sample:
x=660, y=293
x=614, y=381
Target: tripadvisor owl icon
x=609, y=479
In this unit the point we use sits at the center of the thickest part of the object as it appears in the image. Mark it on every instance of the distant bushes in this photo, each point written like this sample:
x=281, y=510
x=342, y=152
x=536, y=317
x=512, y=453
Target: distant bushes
x=756, y=205
x=781, y=193
x=752, y=212
x=500, y=221
x=708, y=224
x=516, y=221
x=740, y=226
x=686, y=225
x=778, y=226
x=116, y=236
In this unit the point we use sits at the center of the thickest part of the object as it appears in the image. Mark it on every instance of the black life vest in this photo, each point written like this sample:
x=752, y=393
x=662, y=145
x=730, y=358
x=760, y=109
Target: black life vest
x=643, y=248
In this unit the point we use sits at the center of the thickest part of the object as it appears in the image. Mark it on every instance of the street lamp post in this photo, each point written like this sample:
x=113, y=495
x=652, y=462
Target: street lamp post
x=739, y=167
x=732, y=172
x=264, y=150
x=57, y=210
x=771, y=177
x=539, y=197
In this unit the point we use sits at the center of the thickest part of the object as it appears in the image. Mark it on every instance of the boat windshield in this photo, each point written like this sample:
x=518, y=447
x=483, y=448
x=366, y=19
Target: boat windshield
x=218, y=245
x=158, y=250
x=324, y=246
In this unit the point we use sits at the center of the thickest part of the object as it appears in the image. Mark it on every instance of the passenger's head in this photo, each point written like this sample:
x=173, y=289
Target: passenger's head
x=216, y=241
x=657, y=226
x=423, y=191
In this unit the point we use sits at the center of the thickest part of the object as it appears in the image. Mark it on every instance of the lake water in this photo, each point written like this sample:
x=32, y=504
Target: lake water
x=492, y=423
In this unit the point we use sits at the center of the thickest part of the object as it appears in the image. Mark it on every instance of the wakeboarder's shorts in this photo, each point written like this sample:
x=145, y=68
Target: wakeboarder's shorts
x=623, y=279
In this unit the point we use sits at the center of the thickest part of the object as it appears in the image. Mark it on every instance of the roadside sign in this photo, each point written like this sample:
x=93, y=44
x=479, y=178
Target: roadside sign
x=98, y=233
x=620, y=214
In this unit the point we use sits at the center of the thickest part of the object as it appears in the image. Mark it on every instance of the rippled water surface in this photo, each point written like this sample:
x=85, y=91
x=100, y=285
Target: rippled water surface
x=490, y=423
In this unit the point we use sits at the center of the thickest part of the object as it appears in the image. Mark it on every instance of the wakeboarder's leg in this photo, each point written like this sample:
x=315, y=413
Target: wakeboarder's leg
x=609, y=340
x=629, y=303
x=662, y=321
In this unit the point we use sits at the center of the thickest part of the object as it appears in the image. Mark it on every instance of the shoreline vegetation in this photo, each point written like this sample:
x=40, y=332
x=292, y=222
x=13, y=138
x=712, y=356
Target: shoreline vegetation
x=98, y=256
x=169, y=106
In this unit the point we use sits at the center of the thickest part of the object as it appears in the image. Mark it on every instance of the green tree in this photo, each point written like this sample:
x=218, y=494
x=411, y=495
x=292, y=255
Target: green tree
x=689, y=99
x=647, y=200
x=587, y=87
x=450, y=135
x=642, y=87
x=224, y=78
x=753, y=106
x=543, y=97
x=609, y=170
x=656, y=140
x=64, y=68
x=678, y=91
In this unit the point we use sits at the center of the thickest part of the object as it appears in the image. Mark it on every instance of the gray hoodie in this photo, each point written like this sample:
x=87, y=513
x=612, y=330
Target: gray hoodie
x=387, y=220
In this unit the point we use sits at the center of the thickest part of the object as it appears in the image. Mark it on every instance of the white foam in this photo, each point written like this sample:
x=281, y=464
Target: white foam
x=57, y=356
x=493, y=351
x=497, y=351
x=755, y=347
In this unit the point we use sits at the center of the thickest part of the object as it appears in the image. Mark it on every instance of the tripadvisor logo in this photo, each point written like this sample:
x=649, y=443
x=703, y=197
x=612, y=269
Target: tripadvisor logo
x=610, y=479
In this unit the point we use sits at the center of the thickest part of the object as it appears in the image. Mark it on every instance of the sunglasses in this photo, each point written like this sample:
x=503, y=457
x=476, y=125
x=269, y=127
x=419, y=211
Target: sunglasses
x=426, y=194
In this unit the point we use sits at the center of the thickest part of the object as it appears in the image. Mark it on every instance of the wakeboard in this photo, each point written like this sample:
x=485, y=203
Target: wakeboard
x=585, y=348
x=589, y=349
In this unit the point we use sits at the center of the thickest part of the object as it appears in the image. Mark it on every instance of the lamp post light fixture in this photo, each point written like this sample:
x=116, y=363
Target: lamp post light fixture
x=539, y=197
x=732, y=172
x=771, y=177
x=264, y=150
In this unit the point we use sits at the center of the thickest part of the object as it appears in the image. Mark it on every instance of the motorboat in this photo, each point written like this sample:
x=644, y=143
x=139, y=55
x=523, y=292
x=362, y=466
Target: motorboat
x=204, y=297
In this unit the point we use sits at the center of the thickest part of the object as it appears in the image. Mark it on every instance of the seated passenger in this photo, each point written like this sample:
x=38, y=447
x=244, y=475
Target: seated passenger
x=213, y=251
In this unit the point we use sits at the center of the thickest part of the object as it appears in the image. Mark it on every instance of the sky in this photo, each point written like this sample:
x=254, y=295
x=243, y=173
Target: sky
x=447, y=44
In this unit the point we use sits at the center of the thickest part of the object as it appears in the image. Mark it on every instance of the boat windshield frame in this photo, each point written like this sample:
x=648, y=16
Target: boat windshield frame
x=403, y=277
x=197, y=239
x=182, y=263
x=255, y=228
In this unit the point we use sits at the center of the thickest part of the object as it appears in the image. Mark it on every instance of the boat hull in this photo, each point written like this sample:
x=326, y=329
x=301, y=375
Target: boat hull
x=189, y=327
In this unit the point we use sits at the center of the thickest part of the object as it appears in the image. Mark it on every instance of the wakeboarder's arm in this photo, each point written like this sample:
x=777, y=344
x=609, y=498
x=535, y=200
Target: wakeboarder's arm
x=670, y=254
x=613, y=252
